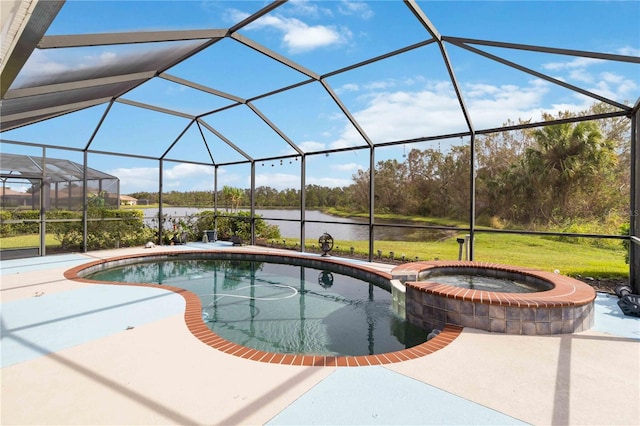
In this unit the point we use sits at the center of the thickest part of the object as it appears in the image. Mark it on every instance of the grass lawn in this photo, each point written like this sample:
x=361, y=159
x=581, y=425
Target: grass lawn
x=23, y=241
x=519, y=250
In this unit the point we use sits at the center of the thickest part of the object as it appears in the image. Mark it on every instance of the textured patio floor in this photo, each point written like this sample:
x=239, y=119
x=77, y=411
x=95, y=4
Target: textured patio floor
x=75, y=353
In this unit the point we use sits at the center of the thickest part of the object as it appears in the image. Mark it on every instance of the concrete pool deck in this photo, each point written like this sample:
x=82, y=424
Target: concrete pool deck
x=77, y=353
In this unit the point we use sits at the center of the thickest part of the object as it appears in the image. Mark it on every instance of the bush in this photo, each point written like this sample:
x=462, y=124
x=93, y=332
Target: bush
x=106, y=228
x=5, y=228
x=625, y=229
x=586, y=227
x=229, y=226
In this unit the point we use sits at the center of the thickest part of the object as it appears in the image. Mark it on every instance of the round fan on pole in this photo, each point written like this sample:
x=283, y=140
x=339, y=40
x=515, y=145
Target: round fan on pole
x=326, y=243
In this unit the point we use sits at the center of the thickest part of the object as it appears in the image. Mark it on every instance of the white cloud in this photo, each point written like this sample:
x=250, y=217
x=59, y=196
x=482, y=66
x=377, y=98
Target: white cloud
x=575, y=63
x=381, y=84
x=181, y=177
x=351, y=87
x=235, y=15
x=299, y=36
x=581, y=75
x=348, y=167
x=357, y=8
x=614, y=86
x=400, y=115
x=629, y=51
x=404, y=114
x=478, y=90
x=186, y=171
x=278, y=181
x=306, y=8
x=136, y=179
x=311, y=146
x=328, y=181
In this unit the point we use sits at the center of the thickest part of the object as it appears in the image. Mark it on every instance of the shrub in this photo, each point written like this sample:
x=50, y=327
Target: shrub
x=625, y=229
x=586, y=227
x=230, y=226
x=106, y=228
x=5, y=228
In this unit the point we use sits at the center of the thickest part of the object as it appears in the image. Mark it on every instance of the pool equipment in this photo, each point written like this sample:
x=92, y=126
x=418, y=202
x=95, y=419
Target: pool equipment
x=629, y=303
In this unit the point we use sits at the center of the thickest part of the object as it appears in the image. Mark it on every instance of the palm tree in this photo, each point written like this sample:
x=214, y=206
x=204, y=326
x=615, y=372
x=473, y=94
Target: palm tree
x=568, y=158
x=232, y=197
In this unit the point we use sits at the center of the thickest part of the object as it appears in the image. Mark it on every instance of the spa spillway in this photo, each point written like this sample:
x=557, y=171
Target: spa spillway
x=541, y=303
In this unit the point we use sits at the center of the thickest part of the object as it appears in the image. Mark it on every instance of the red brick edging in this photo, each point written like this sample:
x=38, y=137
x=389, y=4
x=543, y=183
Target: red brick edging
x=195, y=324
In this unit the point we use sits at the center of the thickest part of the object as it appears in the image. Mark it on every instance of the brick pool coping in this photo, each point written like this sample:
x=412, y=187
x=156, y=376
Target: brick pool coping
x=565, y=308
x=195, y=324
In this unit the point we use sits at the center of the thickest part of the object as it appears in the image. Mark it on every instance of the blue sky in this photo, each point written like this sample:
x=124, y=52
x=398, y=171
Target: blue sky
x=404, y=97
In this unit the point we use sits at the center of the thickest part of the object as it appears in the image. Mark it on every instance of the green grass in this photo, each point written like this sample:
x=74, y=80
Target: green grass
x=144, y=206
x=439, y=221
x=23, y=241
x=519, y=250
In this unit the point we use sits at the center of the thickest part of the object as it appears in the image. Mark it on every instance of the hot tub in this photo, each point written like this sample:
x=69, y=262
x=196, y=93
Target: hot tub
x=558, y=304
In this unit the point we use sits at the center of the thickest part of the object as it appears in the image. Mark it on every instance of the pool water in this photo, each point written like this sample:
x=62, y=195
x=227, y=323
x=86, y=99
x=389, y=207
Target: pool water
x=484, y=283
x=283, y=308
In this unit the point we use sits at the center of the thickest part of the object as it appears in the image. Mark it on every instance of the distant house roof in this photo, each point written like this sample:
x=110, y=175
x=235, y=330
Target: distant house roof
x=8, y=191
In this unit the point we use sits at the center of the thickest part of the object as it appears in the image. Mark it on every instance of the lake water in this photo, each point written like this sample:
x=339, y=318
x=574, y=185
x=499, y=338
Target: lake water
x=352, y=229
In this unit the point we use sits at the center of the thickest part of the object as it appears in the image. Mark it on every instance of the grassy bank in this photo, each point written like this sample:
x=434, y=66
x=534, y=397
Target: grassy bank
x=521, y=250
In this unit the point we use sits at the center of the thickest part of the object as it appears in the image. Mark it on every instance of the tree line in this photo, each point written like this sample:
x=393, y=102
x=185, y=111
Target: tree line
x=534, y=177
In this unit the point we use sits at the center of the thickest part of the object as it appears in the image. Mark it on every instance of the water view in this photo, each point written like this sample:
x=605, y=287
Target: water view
x=353, y=229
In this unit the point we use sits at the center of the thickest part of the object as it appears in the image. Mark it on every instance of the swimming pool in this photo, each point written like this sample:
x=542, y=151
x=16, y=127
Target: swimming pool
x=289, y=308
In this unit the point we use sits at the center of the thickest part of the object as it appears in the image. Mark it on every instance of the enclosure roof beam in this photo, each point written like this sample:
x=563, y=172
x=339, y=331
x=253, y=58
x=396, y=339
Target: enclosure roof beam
x=542, y=49
x=274, y=128
x=379, y=58
x=422, y=18
x=346, y=112
x=28, y=32
x=259, y=14
x=162, y=157
x=154, y=108
x=201, y=87
x=225, y=140
x=36, y=113
x=109, y=39
x=275, y=56
x=543, y=76
x=77, y=84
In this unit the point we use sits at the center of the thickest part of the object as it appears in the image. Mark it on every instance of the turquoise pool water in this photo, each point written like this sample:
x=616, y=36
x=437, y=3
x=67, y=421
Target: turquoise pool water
x=283, y=308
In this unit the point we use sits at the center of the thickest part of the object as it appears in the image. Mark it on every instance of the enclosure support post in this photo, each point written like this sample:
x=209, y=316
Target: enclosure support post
x=160, y=172
x=372, y=165
x=43, y=214
x=215, y=198
x=85, y=203
x=252, y=197
x=634, y=207
x=472, y=196
x=303, y=200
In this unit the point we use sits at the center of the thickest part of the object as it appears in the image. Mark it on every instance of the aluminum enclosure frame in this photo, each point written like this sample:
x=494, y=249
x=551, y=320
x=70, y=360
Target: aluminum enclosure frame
x=45, y=12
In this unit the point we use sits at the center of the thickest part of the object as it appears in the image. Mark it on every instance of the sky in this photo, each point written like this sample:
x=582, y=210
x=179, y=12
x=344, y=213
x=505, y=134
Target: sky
x=402, y=97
